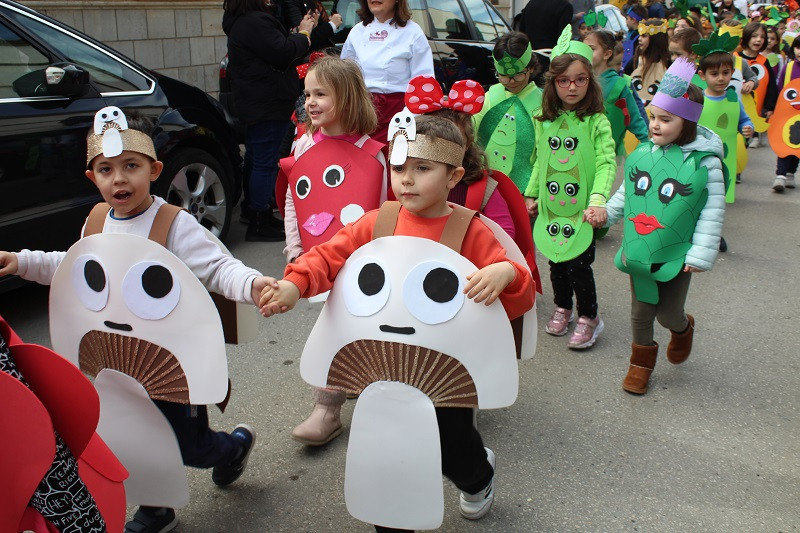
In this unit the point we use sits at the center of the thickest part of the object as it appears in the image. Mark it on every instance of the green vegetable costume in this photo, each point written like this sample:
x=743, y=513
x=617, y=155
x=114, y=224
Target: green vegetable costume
x=505, y=124
x=722, y=117
x=663, y=202
x=574, y=168
x=505, y=130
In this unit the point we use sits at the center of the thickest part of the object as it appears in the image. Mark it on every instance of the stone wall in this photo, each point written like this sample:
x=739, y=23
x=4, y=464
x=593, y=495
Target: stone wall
x=182, y=39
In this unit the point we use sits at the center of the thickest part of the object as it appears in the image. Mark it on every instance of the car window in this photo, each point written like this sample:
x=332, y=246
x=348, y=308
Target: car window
x=17, y=58
x=488, y=26
x=448, y=19
x=108, y=74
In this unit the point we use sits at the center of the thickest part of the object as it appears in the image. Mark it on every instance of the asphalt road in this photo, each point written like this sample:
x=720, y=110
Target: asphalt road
x=713, y=446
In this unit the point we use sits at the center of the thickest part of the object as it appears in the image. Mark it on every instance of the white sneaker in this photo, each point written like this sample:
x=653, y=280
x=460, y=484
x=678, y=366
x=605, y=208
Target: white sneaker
x=789, y=180
x=779, y=184
x=474, y=506
x=754, y=142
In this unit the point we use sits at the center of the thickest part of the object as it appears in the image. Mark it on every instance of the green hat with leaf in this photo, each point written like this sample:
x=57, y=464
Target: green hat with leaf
x=565, y=45
x=716, y=43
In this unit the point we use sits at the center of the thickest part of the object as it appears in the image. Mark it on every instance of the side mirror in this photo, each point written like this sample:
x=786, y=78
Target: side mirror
x=59, y=79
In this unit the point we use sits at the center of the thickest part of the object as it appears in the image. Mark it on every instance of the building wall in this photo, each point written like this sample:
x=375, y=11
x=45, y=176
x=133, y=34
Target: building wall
x=182, y=39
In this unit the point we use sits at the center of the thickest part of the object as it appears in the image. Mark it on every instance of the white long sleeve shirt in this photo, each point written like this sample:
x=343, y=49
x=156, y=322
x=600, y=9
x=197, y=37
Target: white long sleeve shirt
x=389, y=55
x=216, y=270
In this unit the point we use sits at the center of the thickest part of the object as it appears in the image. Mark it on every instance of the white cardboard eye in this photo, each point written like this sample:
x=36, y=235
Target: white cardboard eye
x=91, y=290
x=419, y=302
x=364, y=293
x=145, y=301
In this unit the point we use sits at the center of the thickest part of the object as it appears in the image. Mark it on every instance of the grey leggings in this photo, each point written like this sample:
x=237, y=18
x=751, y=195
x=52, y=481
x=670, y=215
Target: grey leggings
x=669, y=309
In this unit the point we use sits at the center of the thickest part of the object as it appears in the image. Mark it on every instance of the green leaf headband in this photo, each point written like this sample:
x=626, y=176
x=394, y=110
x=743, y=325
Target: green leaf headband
x=509, y=65
x=716, y=43
x=593, y=18
x=566, y=45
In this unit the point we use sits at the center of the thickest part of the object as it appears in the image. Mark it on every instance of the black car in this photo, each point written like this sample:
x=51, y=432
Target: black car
x=53, y=79
x=461, y=34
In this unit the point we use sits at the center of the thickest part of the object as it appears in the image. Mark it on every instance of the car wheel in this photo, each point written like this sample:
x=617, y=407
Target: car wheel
x=194, y=180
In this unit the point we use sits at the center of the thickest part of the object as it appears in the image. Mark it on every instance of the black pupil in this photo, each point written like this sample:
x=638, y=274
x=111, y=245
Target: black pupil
x=552, y=229
x=570, y=189
x=156, y=281
x=568, y=231
x=302, y=187
x=333, y=176
x=568, y=144
x=554, y=143
x=95, y=277
x=440, y=285
x=553, y=188
x=371, y=279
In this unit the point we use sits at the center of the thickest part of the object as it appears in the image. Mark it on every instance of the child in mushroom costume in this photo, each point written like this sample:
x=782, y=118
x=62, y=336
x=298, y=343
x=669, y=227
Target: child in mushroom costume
x=672, y=201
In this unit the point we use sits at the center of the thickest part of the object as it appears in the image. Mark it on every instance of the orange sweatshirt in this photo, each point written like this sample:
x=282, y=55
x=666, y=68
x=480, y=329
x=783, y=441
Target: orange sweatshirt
x=315, y=270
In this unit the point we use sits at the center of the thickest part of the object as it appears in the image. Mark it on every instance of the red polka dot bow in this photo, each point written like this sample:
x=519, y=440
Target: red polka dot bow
x=302, y=70
x=424, y=94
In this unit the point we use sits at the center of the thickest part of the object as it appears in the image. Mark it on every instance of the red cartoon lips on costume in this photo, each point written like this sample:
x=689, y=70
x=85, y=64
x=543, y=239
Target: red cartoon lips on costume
x=645, y=224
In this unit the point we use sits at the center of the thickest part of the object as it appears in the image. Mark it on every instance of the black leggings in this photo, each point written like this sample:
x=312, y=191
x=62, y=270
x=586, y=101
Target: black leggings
x=575, y=277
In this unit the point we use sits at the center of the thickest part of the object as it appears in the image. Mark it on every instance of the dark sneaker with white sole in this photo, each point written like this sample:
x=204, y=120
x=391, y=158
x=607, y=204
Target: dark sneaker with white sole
x=152, y=520
x=227, y=474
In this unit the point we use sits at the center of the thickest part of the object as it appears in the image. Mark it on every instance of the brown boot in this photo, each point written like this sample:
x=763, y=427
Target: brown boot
x=323, y=424
x=680, y=344
x=643, y=360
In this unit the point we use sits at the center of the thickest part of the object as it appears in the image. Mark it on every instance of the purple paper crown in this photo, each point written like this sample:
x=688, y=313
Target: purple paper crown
x=672, y=95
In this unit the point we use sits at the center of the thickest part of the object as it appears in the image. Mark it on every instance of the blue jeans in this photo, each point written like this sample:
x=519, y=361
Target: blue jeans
x=262, y=144
x=201, y=447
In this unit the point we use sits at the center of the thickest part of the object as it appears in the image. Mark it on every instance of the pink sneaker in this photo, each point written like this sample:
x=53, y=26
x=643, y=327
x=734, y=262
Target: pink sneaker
x=559, y=322
x=585, y=333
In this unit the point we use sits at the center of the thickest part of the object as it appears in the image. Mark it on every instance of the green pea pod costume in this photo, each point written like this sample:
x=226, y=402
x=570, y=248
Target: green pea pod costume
x=722, y=117
x=506, y=131
x=664, y=196
x=566, y=178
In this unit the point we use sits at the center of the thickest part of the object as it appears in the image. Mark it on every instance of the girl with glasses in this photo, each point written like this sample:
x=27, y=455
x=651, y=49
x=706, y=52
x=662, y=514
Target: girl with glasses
x=573, y=170
x=505, y=124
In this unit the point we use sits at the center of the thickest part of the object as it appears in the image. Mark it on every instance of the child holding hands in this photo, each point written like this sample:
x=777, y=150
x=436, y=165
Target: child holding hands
x=421, y=184
x=572, y=177
x=672, y=202
x=124, y=182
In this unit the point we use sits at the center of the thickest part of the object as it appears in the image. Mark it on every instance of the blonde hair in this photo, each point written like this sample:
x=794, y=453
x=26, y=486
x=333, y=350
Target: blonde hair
x=353, y=103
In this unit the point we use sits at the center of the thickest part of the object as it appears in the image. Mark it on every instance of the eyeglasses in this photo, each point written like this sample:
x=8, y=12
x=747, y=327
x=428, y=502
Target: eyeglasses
x=580, y=81
x=519, y=76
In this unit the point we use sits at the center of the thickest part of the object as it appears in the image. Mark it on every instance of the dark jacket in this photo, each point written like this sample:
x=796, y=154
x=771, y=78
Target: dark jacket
x=544, y=20
x=293, y=11
x=262, y=56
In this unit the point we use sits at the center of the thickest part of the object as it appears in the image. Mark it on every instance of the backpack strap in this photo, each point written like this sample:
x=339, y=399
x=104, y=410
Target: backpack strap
x=96, y=219
x=491, y=185
x=456, y=227
x=369, y=145
x=162, y=222
x=477, y=193
x=387, y=220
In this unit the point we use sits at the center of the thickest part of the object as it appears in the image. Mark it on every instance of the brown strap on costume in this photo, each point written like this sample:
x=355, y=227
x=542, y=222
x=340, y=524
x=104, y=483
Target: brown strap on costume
x=387, y=220
x=454, y=229
x=96, y=219
x=162, y=222
x=491, y=185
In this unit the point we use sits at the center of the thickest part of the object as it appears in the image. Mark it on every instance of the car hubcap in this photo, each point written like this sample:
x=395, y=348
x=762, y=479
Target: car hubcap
x=198, y=189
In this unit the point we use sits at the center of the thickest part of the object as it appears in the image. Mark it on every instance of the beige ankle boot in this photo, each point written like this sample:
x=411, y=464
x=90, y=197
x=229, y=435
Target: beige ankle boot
x=324, y=423
x=643, y=360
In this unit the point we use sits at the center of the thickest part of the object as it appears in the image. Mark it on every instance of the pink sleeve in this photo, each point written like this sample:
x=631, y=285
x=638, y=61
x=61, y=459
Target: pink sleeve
x=496, y=209
x=294, y=246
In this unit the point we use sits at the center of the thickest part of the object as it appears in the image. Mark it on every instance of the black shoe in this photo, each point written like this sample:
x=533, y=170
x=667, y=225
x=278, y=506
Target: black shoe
x=225, y=475
x=152, y=520
x=263, y=228
x=738, y=178
x=723, y=246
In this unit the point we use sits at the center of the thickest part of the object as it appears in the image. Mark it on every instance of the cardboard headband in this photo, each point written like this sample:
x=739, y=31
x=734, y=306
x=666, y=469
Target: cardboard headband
x=672, y=91
x=653, y=29
x=632, y=14
x=509, y=65
x=566, y=45
x=432, y=149
x=736, y=31
x=111, y=136
x=716, y=42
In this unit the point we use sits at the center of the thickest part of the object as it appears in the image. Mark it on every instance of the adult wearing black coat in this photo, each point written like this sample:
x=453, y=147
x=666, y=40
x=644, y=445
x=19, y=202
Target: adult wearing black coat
x=544, y=20
x=262, y=56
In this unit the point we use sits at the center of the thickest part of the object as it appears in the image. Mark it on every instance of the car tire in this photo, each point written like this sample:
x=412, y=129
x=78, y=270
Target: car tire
x=196, y=181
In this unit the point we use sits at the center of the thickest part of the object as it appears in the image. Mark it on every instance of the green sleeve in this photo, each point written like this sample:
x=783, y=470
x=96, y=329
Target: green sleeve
x=478, y=117
x=605, y=160
x=532, y=190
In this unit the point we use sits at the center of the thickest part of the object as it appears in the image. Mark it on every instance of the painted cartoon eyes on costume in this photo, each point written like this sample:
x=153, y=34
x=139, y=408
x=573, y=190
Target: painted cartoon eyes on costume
x=519, y=76
x=570, y=143
x=669, y=188
x=580, y=81
x=570, y=189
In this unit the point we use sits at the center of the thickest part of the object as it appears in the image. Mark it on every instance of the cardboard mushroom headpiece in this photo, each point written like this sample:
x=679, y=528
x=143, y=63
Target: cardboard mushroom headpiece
x=112, y=136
